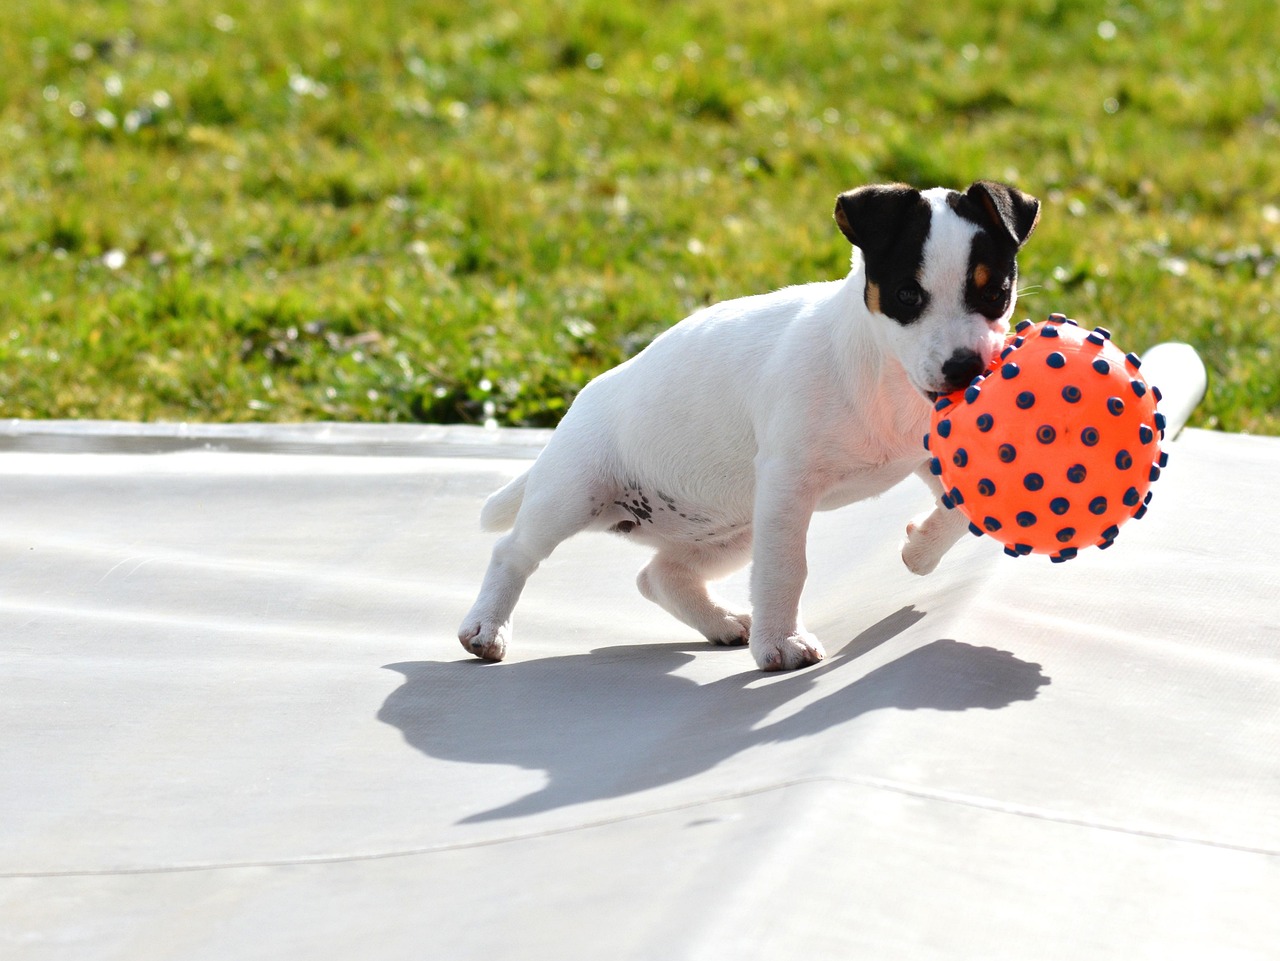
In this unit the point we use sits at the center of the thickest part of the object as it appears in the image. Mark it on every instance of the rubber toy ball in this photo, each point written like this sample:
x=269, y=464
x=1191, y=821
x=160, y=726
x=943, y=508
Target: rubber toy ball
x=1055, y=446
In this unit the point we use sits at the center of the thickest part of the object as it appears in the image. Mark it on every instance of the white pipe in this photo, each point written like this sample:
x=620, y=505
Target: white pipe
x=1180, y=374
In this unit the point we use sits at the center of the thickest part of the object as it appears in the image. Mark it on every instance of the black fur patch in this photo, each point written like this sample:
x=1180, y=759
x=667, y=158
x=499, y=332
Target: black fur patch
x=1006, y=217
x=636, y=503
x=1005, y=211
x=890, y=225
x=1000, y=260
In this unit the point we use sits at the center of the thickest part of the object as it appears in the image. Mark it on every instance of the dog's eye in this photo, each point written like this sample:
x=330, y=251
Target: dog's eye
x=910, y=295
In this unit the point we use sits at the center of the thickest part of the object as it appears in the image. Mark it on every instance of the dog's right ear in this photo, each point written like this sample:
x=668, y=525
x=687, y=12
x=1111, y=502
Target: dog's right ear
x=871, y=216
x=1006, y=208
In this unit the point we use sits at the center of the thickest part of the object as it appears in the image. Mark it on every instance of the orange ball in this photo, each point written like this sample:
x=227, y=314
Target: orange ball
x=1055, y=446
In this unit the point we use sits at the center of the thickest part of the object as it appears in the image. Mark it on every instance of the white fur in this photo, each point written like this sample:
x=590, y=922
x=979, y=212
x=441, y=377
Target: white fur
x=736, y=425
x=925, y=345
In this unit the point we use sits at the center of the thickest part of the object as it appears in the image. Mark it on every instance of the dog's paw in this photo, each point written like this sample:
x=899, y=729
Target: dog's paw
x=797, y=649
x=921, y=551
x=735, y=631
x=485, y=638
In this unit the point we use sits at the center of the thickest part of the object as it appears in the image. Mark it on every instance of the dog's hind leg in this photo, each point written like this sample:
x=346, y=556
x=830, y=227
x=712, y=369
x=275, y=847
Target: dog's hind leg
x=676, y=580
x=549, y=514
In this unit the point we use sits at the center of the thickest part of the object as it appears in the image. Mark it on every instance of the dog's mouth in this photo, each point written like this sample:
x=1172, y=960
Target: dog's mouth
x=933, y=396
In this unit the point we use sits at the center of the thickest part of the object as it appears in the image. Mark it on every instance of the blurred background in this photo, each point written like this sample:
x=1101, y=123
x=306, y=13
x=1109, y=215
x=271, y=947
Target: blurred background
x=461, y=212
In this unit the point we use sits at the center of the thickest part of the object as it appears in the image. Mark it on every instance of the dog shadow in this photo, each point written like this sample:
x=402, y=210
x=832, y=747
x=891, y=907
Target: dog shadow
x=617, y=721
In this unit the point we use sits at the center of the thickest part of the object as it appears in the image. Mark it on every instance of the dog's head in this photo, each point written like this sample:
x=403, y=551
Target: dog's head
x=941, y=272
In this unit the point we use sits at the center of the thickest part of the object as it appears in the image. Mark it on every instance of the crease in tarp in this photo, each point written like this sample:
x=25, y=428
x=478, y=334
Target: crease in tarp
x=970, y=801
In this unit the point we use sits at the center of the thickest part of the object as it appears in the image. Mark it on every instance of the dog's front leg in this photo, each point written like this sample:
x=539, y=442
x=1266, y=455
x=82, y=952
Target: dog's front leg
x=784, y=504
x=931, y=536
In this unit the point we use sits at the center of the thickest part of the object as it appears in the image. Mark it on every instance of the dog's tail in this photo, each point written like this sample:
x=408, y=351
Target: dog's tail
x=499, y=511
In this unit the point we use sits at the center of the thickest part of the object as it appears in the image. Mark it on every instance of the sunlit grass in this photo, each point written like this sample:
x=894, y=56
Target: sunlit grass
x=443, y=211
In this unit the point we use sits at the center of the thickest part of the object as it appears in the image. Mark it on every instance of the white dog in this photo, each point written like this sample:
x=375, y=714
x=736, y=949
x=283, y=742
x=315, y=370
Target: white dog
x=717, y=443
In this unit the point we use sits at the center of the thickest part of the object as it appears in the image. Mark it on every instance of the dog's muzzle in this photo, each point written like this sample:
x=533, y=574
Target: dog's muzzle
x=961, y=368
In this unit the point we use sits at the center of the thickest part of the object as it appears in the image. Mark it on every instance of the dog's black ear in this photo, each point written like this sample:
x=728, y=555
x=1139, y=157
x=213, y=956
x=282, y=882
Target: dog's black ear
x=870, y=216
x=1005, y=209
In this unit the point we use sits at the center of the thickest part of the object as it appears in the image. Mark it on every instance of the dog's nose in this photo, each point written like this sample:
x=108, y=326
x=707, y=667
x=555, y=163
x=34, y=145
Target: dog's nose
x=962, y=367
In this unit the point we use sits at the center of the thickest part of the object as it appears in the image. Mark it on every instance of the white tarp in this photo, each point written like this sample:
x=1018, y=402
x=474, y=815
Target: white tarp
x=235, y=723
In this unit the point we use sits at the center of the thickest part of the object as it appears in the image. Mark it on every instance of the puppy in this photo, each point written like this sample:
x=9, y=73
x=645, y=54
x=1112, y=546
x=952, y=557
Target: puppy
x=717, y=443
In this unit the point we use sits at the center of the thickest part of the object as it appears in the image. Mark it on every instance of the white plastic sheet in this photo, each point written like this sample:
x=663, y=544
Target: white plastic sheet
x=235, y=723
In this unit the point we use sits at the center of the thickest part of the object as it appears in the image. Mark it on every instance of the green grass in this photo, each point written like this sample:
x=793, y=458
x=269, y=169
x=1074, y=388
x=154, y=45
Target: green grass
x=394, y=211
